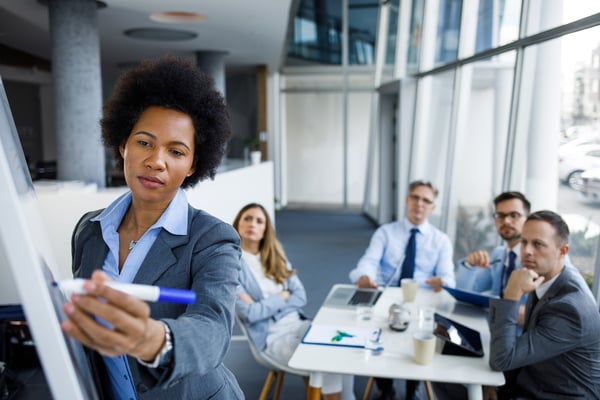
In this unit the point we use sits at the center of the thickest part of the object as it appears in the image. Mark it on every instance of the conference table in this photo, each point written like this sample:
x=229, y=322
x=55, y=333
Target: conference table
x=396, y=360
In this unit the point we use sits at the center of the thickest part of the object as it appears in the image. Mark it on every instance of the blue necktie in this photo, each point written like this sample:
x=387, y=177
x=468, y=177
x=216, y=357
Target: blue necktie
x=512, y=256
x=408, y=265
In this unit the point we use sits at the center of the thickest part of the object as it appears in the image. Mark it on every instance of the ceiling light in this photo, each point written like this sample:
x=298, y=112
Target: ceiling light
x=177, y=17
x=160, y=34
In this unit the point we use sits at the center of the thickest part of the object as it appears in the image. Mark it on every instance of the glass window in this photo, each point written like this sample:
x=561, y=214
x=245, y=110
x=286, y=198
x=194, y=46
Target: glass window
x=358, y=143
x=372, y=201
x=434, y=108
x=392, y=33
x=316, y=35
x=448, y=32
x=362, y=31
x=547, y=14
x=562, y=120
x=480, y=152
x=416, y=30
x=314, y=125
x=497, y=23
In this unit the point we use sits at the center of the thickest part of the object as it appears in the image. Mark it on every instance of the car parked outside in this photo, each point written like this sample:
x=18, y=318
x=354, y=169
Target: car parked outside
x=589, y=185
x=573, y=163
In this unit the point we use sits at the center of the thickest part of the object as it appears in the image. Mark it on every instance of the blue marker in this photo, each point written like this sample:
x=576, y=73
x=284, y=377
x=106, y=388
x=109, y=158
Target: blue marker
x=142, y=292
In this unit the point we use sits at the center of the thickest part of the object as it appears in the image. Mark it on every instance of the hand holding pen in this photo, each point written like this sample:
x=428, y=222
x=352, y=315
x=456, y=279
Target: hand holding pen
x=480, y=258
x=126, y=328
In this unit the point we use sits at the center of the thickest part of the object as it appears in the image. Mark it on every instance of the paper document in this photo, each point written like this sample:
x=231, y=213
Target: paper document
x=336, y=335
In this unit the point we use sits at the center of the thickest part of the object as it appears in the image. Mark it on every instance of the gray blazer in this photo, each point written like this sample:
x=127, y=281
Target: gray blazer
x=558, y=354
x=206, y=260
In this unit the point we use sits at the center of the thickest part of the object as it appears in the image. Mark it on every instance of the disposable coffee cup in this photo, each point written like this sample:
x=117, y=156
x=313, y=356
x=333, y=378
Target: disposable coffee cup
x=424, y=347
x=409, y=289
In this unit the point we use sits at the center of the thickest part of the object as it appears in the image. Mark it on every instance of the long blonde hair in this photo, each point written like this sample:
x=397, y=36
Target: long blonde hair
x=272, y=255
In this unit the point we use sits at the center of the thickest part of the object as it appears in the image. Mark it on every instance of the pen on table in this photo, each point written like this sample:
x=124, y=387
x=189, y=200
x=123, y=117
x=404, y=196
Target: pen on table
x=377, y=335
x=142, y=292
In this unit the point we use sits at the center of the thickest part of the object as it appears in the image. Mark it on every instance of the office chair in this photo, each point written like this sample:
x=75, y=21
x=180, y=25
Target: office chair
x=276, y=369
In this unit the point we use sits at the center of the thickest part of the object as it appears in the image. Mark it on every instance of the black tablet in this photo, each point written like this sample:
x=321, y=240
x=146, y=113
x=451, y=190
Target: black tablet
x=457, y=339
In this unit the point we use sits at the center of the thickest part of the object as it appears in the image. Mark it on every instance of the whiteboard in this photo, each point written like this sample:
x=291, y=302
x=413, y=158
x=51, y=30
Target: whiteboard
x=27, y=265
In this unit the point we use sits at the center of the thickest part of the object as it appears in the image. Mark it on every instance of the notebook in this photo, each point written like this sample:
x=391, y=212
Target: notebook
x=466, y=296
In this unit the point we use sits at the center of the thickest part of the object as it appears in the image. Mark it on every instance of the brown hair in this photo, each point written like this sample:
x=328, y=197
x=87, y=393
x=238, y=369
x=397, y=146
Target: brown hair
x=272, y=255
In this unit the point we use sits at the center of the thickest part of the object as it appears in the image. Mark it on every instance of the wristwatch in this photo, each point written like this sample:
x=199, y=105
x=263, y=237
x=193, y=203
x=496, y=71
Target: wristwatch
x=165, y=355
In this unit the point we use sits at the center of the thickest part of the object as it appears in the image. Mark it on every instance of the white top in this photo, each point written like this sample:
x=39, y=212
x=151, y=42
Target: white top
x=267, y=285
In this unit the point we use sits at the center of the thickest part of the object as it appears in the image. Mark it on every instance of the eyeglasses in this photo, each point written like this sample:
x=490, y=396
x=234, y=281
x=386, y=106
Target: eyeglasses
x=417, y=198
x=512, y=215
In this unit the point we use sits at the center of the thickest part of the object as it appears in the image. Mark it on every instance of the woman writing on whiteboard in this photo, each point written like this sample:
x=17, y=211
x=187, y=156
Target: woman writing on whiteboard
x=271, y=296
x=167, y=126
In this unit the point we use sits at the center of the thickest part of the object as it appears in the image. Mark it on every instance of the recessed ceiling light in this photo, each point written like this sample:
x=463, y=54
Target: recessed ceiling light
x=160, y=34
x=177, y=17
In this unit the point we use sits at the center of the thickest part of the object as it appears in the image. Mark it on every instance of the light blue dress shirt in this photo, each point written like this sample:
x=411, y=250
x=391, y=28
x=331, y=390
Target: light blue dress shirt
x=383, y=258
x=174, y=220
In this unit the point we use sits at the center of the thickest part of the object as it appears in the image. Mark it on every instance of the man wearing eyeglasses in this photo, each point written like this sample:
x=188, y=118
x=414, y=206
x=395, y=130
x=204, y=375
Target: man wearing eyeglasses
x=408, y=248
x=385, y=256
x=481, y=272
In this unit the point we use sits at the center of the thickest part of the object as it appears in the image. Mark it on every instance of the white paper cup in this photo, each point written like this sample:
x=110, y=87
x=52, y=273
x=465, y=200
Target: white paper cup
x=424, y=347
x=409, y=289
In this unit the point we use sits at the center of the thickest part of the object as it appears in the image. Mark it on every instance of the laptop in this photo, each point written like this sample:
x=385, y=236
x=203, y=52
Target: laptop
x=349, y=297
x=466, y=296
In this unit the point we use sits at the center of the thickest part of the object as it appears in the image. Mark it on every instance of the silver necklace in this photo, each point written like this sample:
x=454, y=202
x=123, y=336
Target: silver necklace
x=132, y=244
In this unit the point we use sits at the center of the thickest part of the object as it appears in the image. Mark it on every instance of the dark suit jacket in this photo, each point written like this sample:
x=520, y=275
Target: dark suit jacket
x=558, y=354
x=206, y=260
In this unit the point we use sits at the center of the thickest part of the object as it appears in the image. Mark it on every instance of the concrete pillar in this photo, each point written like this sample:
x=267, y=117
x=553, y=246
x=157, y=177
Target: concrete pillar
x=544, y=125
x=78, y=90
x=213, y=63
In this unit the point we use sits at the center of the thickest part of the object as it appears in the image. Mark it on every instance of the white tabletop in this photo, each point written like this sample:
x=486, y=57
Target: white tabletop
x=396, y=361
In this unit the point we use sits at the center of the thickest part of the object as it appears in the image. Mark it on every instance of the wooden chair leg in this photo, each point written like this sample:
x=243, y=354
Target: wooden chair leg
x=368, y=388
x=279, y=384
x=267, y=386
x=429, y=390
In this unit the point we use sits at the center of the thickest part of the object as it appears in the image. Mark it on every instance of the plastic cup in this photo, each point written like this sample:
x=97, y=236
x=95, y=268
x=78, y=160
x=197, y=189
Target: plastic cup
x=409, y=289
x=364, y=313
x=425, y=319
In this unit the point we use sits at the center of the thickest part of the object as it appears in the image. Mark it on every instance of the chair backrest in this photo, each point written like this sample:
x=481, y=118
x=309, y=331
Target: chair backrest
x=262, y=358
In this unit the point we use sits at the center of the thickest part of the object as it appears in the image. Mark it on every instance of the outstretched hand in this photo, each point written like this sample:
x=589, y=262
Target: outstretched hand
x=112, y=322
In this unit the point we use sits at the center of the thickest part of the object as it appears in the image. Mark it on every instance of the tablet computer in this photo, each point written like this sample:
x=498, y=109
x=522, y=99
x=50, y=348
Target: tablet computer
x=457, y=339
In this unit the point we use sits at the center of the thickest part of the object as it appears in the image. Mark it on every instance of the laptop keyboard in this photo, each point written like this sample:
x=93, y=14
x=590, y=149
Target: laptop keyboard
x=362, y=297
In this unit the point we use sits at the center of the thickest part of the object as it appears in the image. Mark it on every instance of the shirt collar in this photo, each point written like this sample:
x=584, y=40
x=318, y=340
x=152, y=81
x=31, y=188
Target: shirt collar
x=541, y=290
x=424, y=228
x=517, y=250
x=174, y=219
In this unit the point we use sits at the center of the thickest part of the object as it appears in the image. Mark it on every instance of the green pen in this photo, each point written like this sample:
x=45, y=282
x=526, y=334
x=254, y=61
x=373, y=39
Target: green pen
x=340, y=335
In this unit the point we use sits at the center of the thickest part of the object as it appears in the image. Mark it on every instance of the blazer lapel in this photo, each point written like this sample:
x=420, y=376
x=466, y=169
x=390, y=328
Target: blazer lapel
x=93, y=254
x=159, y=258
x=534, y=309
